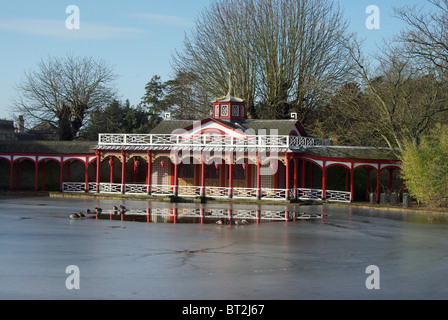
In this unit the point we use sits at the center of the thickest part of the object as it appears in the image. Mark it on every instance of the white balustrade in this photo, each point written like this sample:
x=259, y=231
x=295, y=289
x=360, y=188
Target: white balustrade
x=213, y=192
x=273, y=194
x=189, y=191
x=207, y=140
x=245, y=193
x=309, y=194
x=136, y=188
x=217, y=192
x=110, y=187
x=75, y=187
x=338, y=196
x=162, y=190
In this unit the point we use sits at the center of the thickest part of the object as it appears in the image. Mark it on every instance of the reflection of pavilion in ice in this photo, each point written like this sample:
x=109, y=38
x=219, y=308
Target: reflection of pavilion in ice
x=203, y=214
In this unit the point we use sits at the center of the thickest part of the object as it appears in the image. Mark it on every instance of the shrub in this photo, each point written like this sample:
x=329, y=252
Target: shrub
x=425, y=167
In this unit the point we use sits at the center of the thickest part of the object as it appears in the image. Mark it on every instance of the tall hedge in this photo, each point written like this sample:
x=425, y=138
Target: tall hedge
x=425, y=167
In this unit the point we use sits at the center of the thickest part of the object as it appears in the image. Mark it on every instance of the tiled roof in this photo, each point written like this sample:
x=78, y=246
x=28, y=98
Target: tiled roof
x=353, y=152
x=56, y=147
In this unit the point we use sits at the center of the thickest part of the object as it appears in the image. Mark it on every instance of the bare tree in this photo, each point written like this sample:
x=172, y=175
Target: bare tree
x=284, y=55
x=399, y=100
x=64, y=91
x=426, y=38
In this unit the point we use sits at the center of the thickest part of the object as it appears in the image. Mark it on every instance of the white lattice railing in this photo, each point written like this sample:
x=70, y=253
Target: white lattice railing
x=162, y=190
x=309, y=194
x=273, y=194
x=209, y=140
x=189, y=191
x=110, y=188
x=338, y=196
x=213, y=192
x=74, y=187
x=217, y=192
x=245, y=193
x=136, y=188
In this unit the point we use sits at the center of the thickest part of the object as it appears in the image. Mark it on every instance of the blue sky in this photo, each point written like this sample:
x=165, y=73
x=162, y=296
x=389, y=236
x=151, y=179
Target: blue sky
x=136, y=37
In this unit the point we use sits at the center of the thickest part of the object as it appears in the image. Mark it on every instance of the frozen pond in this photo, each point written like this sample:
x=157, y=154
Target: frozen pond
x=324, y=259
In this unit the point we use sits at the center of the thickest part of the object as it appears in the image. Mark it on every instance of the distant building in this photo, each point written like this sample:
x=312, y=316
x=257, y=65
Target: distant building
x=44, y=131
x=6, y=130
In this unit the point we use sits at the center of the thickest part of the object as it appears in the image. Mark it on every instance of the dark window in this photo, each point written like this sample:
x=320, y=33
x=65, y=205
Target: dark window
x=238, y=172
x=211, y=172
x=186, y=171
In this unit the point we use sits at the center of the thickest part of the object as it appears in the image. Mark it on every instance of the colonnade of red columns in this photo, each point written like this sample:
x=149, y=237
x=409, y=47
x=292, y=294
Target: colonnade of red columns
x=289, y=157
x=296, y=161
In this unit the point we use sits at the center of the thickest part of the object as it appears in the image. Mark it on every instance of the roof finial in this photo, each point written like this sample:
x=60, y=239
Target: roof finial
x=230, y=83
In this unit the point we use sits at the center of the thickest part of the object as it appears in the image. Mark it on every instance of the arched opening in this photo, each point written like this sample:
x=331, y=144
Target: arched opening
x=49, y=175
x=24, y=174
x=136, y=170
x=74, y=170
x=5, y=171
x=338, y=177
x=365, y=182
x=161, y=171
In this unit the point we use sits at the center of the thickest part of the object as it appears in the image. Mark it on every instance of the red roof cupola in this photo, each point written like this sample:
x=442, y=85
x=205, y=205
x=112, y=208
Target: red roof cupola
x=229, y=107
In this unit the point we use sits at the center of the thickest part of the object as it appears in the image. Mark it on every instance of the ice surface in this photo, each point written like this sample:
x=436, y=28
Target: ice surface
x=284, y=260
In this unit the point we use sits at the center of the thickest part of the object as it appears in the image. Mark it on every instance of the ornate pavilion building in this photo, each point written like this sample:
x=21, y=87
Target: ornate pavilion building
x=224, y=156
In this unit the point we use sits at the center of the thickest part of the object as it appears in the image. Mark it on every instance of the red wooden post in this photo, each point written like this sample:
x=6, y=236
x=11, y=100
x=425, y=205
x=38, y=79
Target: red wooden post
x=378, y=174
x=202, y=175
x=86, y=175
x=296, y=173
x=287, y=176
x=111, y=172
x=61, y=173
x=352, y=187
x=324, y=180
x=176, y=174
x=202, y=213
x=230, y=175
x=98, y=167
x=36, y=174
x=123, y=171
x=149, y=173
x=258, y=177
x=174, y=213
x=249, y=174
